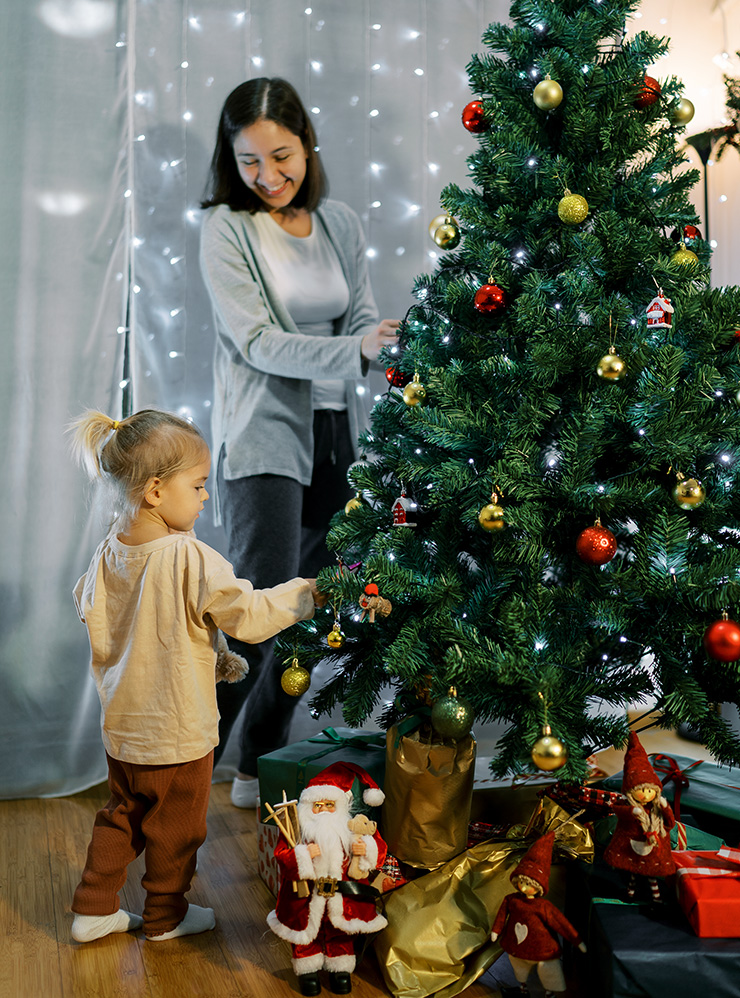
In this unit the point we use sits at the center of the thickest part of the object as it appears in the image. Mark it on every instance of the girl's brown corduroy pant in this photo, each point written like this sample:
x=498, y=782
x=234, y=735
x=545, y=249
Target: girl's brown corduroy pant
x=158, y=810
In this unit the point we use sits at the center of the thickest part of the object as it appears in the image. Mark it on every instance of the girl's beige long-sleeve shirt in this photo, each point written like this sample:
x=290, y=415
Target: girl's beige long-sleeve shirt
x=152, y=613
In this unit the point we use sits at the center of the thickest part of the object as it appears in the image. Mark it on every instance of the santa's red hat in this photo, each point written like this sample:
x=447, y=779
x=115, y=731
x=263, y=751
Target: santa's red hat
x=335, y=783
x=535, y=863
x=637, y=769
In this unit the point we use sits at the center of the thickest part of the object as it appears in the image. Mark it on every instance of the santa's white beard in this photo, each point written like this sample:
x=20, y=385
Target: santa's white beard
x=330, y=833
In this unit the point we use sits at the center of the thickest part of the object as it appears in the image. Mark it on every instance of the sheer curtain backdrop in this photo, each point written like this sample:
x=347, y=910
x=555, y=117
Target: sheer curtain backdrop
x=108, y=111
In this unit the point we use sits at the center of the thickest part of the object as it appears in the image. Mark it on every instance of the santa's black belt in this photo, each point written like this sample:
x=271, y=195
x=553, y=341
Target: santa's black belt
x=327, y=887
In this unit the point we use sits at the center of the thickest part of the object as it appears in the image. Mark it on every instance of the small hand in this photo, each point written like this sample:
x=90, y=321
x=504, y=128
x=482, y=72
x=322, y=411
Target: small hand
x=386, y=335
x=313, y=850
x=359, y=848
x=319, y=598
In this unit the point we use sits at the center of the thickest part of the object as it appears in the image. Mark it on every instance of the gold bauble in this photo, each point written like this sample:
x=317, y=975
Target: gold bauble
x=335, y=638
x=684, y=256
x=548, y=752
x=414, y=393
x=353, y=503
x=547, y=94
x=447, y=235
x=436, y=222
x=611, y=367
x=295, y=680
x=572, y=208
x=491, y=517
x=682, y=112
x=689, y=493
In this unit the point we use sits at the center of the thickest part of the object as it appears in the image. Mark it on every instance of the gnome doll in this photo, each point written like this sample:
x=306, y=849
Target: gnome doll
x=527, y=925
x=641, y=844
x=321, y=922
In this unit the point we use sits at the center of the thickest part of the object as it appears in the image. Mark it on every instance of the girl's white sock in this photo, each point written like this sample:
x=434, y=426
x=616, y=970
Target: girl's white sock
x=85, y=928
x=196, y=920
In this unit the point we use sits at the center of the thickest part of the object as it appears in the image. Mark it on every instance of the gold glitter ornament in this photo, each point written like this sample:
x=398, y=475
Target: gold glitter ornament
x=295, y=680
x=684, y=256
x=688, y=493
x=335, y=639
x=547, y=94
x=611, y=367
x=414, y=393
x=452, y=717
x=682, y=112
x=572, y=208
x=548, y=752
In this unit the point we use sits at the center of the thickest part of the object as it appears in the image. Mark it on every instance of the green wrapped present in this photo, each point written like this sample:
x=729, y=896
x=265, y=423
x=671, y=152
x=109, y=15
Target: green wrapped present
x=711, y=793
x=290, y=768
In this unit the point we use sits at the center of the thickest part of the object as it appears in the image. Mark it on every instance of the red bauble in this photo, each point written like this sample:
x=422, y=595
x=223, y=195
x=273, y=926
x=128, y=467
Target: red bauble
x=473, y=117
x=596, y=545
x=722, y=640
x=395, y=378
x=490, y=298
x=649, y=93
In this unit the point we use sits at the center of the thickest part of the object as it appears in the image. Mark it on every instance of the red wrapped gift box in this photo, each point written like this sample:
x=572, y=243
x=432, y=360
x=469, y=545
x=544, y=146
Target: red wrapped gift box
x=708, y=885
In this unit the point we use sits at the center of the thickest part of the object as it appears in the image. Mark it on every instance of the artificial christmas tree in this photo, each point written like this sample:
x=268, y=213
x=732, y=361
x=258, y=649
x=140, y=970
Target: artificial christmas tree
x=570, y=217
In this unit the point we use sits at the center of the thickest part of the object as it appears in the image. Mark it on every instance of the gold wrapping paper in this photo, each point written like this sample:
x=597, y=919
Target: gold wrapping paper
x=428, y=789
x=437, y=941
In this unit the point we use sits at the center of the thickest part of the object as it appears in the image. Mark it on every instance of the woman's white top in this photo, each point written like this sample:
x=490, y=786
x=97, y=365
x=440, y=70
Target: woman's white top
x=309, y=278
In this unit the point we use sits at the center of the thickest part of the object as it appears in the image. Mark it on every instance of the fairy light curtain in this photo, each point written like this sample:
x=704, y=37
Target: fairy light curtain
x=109, y=110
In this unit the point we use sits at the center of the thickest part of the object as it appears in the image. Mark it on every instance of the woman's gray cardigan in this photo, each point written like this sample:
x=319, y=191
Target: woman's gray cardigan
x=263, y=366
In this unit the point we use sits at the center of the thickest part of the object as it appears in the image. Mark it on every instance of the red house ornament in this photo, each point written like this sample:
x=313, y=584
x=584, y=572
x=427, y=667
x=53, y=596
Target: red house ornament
x=404, y=511
x=659, y=312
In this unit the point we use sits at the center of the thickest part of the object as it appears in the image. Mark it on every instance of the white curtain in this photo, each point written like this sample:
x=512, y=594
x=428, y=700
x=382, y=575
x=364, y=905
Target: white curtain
x=108, y=111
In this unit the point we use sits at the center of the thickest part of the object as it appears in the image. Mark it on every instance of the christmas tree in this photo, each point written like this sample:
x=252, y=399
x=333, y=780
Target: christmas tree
x=547, y=521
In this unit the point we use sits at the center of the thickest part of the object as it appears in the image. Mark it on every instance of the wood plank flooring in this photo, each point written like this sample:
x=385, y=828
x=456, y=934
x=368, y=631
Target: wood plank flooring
x=42, y=850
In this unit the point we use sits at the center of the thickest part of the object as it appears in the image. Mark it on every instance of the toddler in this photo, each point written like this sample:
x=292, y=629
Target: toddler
x=153, y=600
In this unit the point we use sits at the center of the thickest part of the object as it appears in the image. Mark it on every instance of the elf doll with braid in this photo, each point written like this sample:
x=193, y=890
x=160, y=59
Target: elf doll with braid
x=641, y=844
x=527, y=925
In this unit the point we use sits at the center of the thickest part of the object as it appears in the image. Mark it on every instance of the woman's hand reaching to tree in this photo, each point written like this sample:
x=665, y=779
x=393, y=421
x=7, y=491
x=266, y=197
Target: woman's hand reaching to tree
x=386, y=335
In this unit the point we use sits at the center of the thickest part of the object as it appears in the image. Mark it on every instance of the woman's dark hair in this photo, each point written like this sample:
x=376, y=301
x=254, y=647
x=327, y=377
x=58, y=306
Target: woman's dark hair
x=256, y=100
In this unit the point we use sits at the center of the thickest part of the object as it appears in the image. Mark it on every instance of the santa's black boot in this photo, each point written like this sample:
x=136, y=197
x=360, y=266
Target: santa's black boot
x=309, y=984
x=340, y=982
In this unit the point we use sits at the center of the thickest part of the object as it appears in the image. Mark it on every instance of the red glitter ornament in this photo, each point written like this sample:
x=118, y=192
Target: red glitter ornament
x=596, y=545
x=722, y=640
x=474, y=118
x=395, y=378
x=648, y=94
x=490, y=298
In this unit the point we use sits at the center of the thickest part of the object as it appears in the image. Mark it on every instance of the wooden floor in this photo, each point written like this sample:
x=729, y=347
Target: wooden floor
x=42, y=851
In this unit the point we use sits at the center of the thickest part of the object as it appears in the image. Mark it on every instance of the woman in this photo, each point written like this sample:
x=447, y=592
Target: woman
x=296, y=328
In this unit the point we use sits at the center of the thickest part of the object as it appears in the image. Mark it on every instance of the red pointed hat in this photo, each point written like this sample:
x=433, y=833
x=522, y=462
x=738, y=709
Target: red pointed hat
x=335, y=782
x=637, y=769
x=535, y=863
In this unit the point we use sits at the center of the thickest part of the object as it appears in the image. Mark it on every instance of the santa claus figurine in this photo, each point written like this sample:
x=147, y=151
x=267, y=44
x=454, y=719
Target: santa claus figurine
x=320, y=922
x=527, y=925
x=641, y=844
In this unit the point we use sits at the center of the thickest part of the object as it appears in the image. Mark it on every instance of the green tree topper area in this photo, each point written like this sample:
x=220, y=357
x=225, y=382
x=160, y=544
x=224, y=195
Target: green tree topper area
x=564, y=431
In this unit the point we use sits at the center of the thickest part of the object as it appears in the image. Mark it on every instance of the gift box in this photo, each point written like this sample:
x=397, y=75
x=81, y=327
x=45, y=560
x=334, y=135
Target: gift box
x=708, y=888
x=290, y=768
x=267, y=867
x=710, y=792
x=640, y=948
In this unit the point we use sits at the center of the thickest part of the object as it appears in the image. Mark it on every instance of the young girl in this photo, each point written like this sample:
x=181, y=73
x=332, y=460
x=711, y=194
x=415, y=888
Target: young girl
x=153, y=601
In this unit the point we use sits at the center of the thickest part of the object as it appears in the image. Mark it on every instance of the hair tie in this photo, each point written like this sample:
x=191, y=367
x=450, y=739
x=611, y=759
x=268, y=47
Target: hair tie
x=116, y=424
